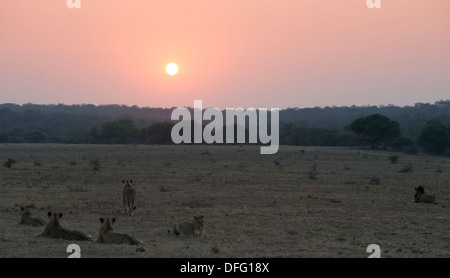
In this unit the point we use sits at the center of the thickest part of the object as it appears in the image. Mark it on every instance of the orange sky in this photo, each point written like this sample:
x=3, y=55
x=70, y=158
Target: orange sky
x=231, y=53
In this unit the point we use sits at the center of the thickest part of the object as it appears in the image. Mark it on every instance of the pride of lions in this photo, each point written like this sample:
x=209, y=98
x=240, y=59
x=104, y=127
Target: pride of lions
x=53, y=228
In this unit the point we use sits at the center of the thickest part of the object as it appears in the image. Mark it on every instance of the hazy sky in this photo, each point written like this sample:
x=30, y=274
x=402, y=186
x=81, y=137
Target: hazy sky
x=231, y=53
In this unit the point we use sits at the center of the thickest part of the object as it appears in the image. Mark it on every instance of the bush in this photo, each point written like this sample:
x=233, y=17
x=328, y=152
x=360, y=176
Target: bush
x=9, y=163
x=394, y=158
x=406, y=169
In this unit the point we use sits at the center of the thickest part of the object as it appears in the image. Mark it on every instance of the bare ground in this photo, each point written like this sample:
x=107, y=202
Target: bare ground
x=252, y=207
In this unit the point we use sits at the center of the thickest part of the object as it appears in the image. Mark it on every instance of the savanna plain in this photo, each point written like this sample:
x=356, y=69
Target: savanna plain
x=300, y=202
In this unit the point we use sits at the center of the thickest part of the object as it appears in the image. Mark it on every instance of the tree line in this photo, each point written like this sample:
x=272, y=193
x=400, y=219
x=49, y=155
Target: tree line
x=424, y=126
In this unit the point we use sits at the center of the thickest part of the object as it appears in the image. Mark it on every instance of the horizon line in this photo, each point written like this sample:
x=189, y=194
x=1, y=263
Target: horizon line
x=190, y=107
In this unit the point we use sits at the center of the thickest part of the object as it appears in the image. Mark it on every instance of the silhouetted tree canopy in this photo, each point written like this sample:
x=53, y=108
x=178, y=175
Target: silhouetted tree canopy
x=157, y=133
x=122, y=131
x=376, y=128
x=435, y=137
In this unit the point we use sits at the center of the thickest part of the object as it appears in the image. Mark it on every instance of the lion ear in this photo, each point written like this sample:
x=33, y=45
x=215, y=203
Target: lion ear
x=123, y=181
x=131, y=181
x=21, y=208
x=49, y=214
x=102, y=220
x=60, y=215
x=113, y=220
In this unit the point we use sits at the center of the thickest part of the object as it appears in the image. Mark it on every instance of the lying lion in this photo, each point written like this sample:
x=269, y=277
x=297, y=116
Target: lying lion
x=190, y=228
x=421, y=197
x=55, y=230
x=107, y=236
x=27, y=219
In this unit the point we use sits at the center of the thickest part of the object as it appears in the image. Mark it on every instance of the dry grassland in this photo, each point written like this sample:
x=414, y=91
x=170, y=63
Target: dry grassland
x=252, y=206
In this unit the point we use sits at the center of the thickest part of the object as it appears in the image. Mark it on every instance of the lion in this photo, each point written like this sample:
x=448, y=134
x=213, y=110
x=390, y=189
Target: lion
x=107, y=236
x=55, y=230
x=128, y=198
x=27, y=219
x=421, y=197
x=190, y=228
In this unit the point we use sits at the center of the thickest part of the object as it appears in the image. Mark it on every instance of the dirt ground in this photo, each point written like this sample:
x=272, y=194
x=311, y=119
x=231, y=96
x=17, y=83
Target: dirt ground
x=254, y=205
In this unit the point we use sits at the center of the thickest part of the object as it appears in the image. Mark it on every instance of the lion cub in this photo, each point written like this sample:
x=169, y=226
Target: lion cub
x=190, y=228
x=421, y=197
x=128, y=198
x=107, y=236
x=27, y=219
x=55, y=230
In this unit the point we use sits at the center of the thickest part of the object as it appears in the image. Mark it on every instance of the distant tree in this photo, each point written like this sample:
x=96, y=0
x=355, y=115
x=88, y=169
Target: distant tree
x=95, y=134
x=36, y=137
x=121, y=131
x=12, y=135
x=435, y=137
x=376, y=128
x=287, y=134
x=158, y=133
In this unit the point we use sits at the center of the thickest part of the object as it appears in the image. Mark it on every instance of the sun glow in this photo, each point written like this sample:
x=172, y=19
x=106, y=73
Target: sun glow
x=172, y=68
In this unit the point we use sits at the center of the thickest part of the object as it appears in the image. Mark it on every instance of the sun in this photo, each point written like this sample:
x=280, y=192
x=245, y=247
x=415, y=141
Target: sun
x=172, y=68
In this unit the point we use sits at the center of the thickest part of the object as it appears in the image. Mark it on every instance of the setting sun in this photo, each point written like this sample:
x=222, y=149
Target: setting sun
x=172, y=68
